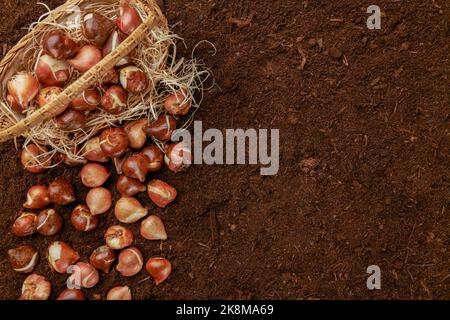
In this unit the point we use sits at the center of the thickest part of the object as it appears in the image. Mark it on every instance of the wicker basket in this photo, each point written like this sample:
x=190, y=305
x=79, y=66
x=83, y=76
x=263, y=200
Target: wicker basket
x=13, y=124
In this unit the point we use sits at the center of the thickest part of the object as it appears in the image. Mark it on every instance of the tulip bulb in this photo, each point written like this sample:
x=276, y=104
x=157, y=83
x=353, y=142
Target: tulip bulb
x=86, y=101
x=118, y=237
x=114, y=142
x=71, y=294
x=155, y=157
x=25, y=225
x=36, y=287
x=135, y=167
x=114, y=40
x=61, y=256
x=129, y=210
x=49, y=94
x=23, y=259
x=161, y=193
x=71, y=120
x=115, y=100
x=152, y=228
x=37, y=197
x=129, y=187
x=119, y=293
x=83, y=220
x=102, y=258
x=93, y=151
x=84, y=275
x=163, y=128
x=178, y=103
x=52, y=72
x=159, y=269
x=59, y=45
x=134, y=80
x=136, y=134
x=178, y=157
x=61, y=192
x=129, y=19
x=94, y=175
x=86, y=58
x=99, y=200
x=22, y=89
x=49, y=222
x=130, y=262
x=96, y=28
x=34, y=160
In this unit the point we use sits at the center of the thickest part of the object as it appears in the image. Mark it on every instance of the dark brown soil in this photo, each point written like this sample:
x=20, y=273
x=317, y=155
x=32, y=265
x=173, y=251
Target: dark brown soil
x=364, y=176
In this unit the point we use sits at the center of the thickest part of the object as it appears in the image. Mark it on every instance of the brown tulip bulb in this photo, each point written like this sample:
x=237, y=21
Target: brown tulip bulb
x=49, y=94
x=83, y=220
x=99, y=200
x=36, y=287
x=129, y=19
x=37, y=197
x=118, y=237
x=135, y=167
x=86, y=101
x=114, y=142
x=178, y=157
x=61, y=192
x=119, y=293
x=115, y=100
x=49, y=222
x=152, y=228
x=71, y=120
x=71, y=294
x=52, y=72
x=130, y=262
x=59, y=45
x=22, y=88
x=163, y=128
x=86, y=58
x=84, y=275
x=34, y=159
x=159, y=269
x=134, y=80
x=155, y=157
x=96, y=28
x=129, y=210
x=94, y=175
x=23, y=259
x=93, y=151
x=102, y=258
x=25, y=225
x=129, y=187
x=161, y=193
x=61, y=256
x=178, y=103
x=136, y=134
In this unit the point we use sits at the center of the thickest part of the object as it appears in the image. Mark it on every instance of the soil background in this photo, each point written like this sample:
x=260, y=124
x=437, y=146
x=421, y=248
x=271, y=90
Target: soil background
x=364, y=175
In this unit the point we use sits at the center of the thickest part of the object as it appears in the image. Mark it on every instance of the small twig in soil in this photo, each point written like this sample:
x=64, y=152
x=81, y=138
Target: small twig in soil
x=240, y=23
x=302, y=53
x=143, y=280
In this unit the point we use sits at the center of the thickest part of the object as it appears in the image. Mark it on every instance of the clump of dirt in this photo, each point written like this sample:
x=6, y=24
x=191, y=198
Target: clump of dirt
x=364, y=177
